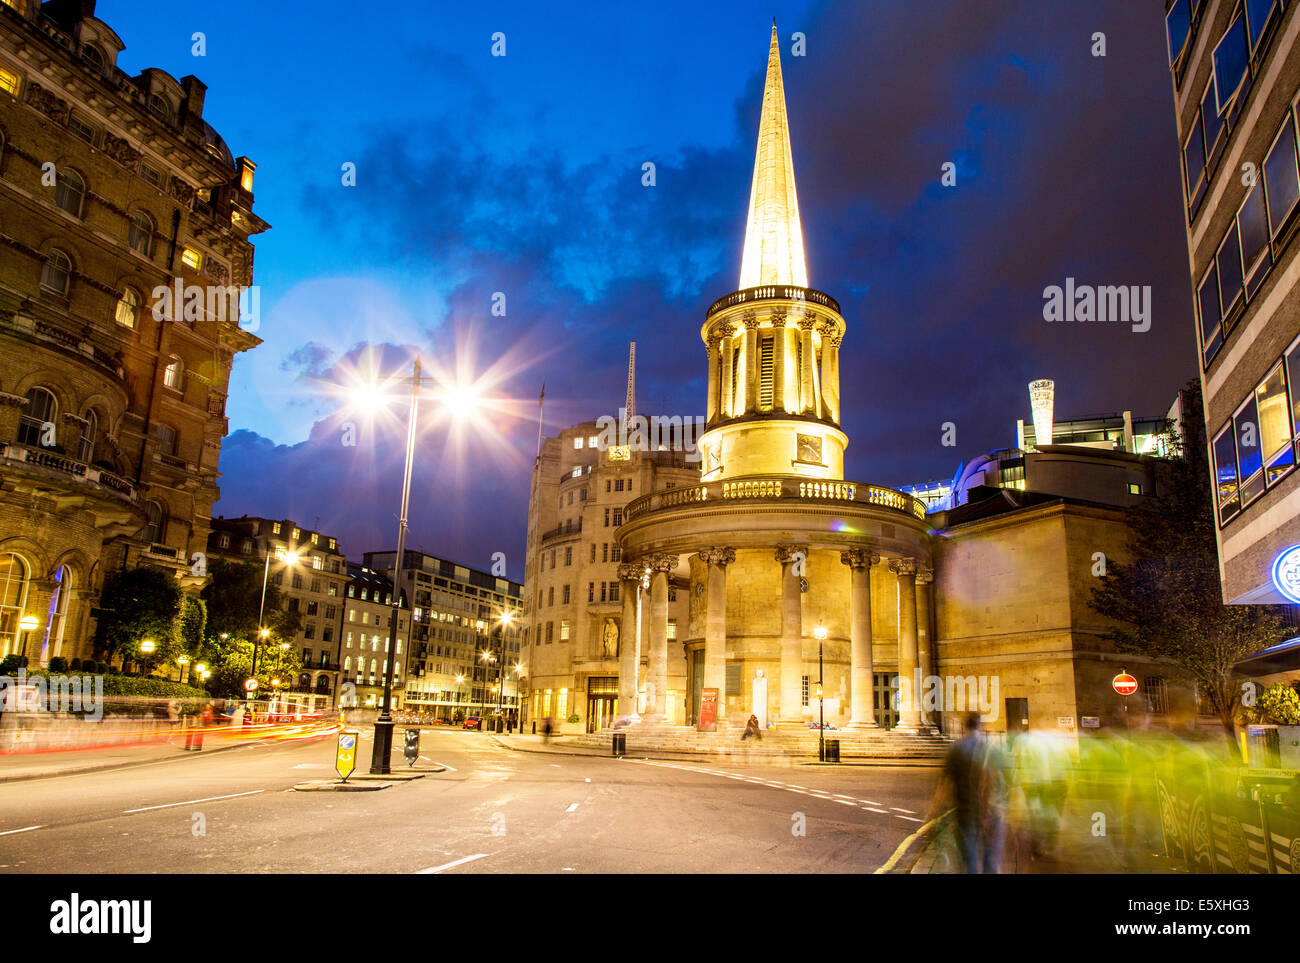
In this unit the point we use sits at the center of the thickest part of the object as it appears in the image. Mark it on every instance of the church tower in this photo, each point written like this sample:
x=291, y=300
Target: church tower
x=773, y=344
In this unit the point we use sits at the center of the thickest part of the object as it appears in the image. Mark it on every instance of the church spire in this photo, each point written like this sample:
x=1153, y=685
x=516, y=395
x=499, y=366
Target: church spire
x=773, y=237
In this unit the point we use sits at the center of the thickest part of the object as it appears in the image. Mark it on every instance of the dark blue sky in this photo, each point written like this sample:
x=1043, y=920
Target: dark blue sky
x=522, y=174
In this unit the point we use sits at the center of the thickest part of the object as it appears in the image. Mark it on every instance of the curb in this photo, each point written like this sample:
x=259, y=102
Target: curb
x=682, y=756
x=924, y=834
x=109, y=767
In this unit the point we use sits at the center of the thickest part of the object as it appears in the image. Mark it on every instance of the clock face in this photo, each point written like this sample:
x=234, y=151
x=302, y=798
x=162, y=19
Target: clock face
x=810, y=448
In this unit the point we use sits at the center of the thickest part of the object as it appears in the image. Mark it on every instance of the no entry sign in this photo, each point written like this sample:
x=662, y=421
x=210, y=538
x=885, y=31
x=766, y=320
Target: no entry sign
x=1124, y=684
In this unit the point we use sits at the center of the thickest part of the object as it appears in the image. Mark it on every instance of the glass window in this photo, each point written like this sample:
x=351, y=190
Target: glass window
x=1257, y=16
x=89, y=430
x=140, y=235
x=56, y=272
x=1208, y=300
x=1281, y=178
x=13, y=599
x=166, y=436
x=159, y=107
x=1250, y=462
x=1194, y=166
x=1228, y=263
x=154, y=522
x=192, y=259
x=1211, y=122
x=577, y=443
x=1225, y=475
x=37, y=425
x=174, y=375
x=9, y=82
x=1230, y=62
x=1252, y=224
x=70, y=191
x=80, y=128
x=1293, y=383
x=1178, y=24
x=1275, y=425
x=128, y=308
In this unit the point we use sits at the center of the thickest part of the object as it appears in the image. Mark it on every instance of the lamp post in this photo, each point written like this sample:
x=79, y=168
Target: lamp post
x=460, y=702
x=488, y=658
x=290, y=558
x=820, y=634
x=505, y=620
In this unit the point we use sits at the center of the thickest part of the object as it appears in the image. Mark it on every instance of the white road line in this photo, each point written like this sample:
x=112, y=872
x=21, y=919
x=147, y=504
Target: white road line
x=883, y=812
x=900, y=809
x=25, y=829
x=188, y=802
x=910, y=819
x=572, y=807
x=455, y=862
x=444, y=766
x=846, y=802
x=869, y=802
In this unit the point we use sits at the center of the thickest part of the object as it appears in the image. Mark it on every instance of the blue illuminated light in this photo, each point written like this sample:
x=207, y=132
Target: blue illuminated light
x=1286, y=573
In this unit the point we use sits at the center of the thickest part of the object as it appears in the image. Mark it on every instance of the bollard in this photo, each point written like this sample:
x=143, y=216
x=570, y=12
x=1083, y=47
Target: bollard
x=619, y=743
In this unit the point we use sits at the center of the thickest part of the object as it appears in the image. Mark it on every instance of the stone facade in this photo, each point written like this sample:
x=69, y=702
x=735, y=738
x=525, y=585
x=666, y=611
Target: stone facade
x=111, y=422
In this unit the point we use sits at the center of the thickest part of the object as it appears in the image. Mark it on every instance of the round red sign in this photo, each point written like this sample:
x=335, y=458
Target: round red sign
x=1125, y=684
x=250, y=684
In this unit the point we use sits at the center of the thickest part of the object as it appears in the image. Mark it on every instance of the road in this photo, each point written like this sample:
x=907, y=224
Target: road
x=493, y=810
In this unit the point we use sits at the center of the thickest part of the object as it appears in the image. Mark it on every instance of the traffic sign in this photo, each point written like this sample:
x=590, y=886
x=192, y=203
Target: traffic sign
x=250, y=684
x=411, y=745
x=345, y=754
x=1124, y=684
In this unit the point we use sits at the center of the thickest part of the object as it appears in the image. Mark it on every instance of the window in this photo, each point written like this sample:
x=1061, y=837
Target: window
x=13, y=600
x=618, y=517
x=1252, y=225
x=591, y=590
x=803, y=690
x=550, y=595
x=36, y=427
x=1231, y=60
x=577, y=443
x=147, y=173
x=766, y=372
x=615, y=554
x=89, y=429
x=1157, y=694
x=672, y=630
x=604, y=551
x=9, y=81
x=1249, y=461
x=564, y=630
x=565, y=600
x=568, y=555
x=593, y=551
x=1275, y=425
x=1292, y=361
x=1228, y=262
x=192, y=259
x=613, y=591
x=128, y=308
x=159, y=107
x=618, y=485
x=174, y=375
x=1134, y=488
x=56, y=273
x=93, y=56
x=155, y=523
x=1178, y=26
x=166, y=436
x=81, y=128
x=550, y=632
x=1208, y=302
x=69, y=191
x=1281, y=178
x=562, y=704
x=140, y=233
x=591, y=441
x=1194, y=166
x=1258, y=14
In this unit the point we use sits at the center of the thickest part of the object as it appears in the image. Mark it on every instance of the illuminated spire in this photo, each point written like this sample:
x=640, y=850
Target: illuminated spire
x=773, y=237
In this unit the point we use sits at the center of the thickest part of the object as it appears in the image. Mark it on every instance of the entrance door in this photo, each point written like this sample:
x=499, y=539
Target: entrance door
x=884, y=696
x=602, y=710
x=1017, y=715
x=697, y=687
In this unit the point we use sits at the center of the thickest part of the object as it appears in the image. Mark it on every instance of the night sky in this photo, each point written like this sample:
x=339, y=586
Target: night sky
x=522, y=175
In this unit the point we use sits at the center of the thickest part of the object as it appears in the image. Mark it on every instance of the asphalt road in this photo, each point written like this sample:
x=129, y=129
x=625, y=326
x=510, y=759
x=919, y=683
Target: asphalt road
x=493, y=810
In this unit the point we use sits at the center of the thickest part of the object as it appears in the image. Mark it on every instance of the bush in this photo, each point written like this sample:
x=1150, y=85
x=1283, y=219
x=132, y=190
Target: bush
x=76, y=665
x=149, y=686
x=10, y=664
x=1279, y=704
x=58, y=664
x=573, y=719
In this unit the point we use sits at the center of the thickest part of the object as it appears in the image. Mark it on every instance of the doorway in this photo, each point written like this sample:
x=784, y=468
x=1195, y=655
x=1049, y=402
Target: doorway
x=602, y=702
x=884, y=697
x=1017, y=715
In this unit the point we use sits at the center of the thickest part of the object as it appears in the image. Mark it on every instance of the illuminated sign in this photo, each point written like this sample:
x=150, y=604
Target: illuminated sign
x=620, y=453
x=1286, y=573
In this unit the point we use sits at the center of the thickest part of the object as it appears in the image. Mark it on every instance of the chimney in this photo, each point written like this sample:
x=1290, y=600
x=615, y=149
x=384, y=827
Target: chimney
x=195, y=90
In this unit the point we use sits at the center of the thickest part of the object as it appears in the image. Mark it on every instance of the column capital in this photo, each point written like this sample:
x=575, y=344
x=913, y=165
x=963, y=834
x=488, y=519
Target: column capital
x=663, y=563
x=807, y=323
x=750, y=320
x=859, y=558
x=714, y=339
x=924, y=575
x=717, y=555
x=903, y=566
x=630, y=572
x=778, y=319
x=785, y=554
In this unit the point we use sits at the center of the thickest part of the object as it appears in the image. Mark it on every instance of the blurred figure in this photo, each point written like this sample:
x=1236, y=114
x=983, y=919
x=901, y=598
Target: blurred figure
x=752, y=729
x=974, y=777
x=546, y=729
x=1043, y=768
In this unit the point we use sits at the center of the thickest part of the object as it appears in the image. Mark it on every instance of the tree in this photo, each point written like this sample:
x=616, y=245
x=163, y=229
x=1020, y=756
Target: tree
x=232, y=664
x=140, y=604
x=234, y=598
x=1168, y=601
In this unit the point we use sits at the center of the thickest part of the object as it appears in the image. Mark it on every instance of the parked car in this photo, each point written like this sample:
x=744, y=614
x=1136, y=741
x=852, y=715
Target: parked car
x=473, y=722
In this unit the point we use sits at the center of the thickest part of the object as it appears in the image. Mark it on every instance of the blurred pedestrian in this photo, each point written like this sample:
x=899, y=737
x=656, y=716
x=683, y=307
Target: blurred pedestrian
x=752, y=729
x=974, y=778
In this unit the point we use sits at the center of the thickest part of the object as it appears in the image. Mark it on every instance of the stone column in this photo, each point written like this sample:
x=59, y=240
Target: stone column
x=657, y=671
x=728, y=390
x=909, y=715
x=715, y=625
x=830, y=371
x=778, y=362
x=862, y=672
x=715, y=379
x=807, y=398
x=791, y=708
x=750, y=380
x=629, y=657
x=924, y=640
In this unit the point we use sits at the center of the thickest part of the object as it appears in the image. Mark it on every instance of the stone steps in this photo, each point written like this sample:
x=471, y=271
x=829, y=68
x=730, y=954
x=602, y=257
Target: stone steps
x=854, y=744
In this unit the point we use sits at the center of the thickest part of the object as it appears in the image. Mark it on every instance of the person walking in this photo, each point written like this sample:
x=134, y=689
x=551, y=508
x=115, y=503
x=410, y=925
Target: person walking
x=974, y=779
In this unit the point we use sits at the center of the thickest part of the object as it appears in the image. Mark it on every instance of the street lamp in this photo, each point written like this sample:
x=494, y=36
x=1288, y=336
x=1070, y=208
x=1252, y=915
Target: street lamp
x=459, y=680
x=820, y=634
x=459, y=400
x=488, y=659
x=506, y=619
x=290, y=558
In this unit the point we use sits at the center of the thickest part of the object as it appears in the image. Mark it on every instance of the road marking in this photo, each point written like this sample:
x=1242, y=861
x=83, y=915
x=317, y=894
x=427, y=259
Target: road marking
x=572, y=807
x=25, y=829
x=444, y=765
x=455, y=862
x=911, y=819
x=900, y=809
x=188, y=802
x=846, y=802
x=883, y=812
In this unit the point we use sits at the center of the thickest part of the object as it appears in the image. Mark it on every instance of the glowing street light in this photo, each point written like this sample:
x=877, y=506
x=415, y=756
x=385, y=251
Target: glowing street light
x=148, y=645
x=290, y=559
x=819, y=634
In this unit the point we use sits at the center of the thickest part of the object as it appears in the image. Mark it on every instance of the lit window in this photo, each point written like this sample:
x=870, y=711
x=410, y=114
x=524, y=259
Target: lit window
x=577, y=443
x=37, y=424
x=1275, y=425
x=192, y=259
x=1250, y=463
x=9, y=81
x=128, y=308
x=174, y=376
x=564, y=630
x=672, y=630
x=591, y=442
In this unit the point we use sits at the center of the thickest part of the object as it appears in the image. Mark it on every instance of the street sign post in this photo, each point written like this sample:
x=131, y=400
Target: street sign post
x=411, y=746
x=345, y=754
x=1125, y=684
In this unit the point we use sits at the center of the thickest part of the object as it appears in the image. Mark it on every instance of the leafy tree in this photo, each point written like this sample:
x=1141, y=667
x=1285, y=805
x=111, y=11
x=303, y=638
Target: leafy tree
x=1168, y=600
x=1279, y=704
x=231, y=662
x=138, y=604
x=234, y=598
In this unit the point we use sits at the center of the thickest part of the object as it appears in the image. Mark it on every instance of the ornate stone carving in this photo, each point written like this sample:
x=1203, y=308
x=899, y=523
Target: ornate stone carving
x=807, y=323
x=785, y=554
x=716, y=555
x=216, y=270
x=750, y=320
x=903, y=566
x=663, y=563
x=181, y=191
x=778, y=319
x=47, y=103
x=859, y=558
x=924, y=575
x=630, y=572
x=609, y=637
x=120, y=150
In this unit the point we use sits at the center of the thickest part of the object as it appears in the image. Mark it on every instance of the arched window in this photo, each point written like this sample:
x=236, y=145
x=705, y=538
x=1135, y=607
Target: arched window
x=159, y=107
x=37, y=425
x=166, y=436
x=304, y=681
x=57, y=616
x=347, y=664
x=57, y=272
x=174, y=376
x=13, y=597
x=94, y=56
x=156, y=522
x=323, y=685
x=70, y=191
x=140, y=234
x=89, y=434
x=128, y=308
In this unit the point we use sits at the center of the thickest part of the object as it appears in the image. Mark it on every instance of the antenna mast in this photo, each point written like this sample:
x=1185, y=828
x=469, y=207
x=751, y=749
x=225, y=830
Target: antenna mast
x=629, y=406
